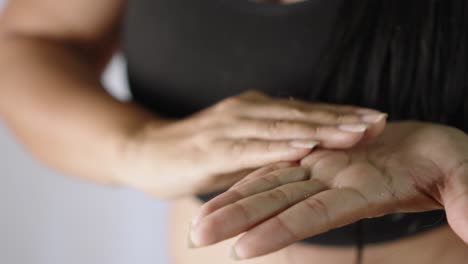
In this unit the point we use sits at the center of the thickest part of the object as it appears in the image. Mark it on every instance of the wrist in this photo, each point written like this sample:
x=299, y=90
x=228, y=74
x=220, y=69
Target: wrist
x=129, y=145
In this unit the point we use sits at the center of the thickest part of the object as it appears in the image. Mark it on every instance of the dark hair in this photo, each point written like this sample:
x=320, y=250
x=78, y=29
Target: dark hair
x=408, y=58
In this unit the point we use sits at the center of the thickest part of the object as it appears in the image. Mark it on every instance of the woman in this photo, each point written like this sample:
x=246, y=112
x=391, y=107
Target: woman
x=188, y=131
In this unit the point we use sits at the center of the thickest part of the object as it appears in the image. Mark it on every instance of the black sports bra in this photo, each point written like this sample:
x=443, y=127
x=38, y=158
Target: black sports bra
x=184, y=56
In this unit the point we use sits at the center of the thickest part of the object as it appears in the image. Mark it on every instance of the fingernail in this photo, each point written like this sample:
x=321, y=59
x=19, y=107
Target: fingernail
x=195, y=220
x=356, y=128
x=304, y=144
x=233, y=254
x=373, y=118
x=190, y=243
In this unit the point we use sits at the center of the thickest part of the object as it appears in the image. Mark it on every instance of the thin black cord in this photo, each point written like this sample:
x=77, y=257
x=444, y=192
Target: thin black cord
x=359, y=242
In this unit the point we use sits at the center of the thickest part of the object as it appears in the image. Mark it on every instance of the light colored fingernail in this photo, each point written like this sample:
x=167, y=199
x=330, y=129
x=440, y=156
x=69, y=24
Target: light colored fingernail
x=195, y=220
x=304, y=144
x=233, y=254
x=356, y=128
x=373, y=118
x=190, y=243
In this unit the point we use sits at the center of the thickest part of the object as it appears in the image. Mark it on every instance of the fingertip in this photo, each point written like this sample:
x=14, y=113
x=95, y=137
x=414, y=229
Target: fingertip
x=457, y=216
x=201, y=235
x=342, y=140
x=374, y=118
x=241, y=251
x=375, y=130
x=233, y=254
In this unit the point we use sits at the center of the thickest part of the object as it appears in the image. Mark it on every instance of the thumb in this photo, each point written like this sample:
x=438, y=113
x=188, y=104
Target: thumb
x=455, y=199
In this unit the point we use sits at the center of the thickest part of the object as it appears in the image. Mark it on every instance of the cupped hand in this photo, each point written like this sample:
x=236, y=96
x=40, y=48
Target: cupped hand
x=412, y=167
x=216, y=147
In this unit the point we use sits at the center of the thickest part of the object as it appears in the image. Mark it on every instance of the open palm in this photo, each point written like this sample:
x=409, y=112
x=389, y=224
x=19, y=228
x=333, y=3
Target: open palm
x=411, y=167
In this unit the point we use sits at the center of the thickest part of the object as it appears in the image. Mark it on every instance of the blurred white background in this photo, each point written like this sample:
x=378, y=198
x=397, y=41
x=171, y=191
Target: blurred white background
x=46, y=218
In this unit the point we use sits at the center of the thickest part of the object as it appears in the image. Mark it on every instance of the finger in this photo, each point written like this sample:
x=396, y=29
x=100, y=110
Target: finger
x=222, y=181
x=263, y=171
x=343, y=109
x=325, y=165
x=254, y=153
x=254, y=96
x=341, y=136
x=276, y=110
x=376, y=129
x=293, y=109
x=348, y=114
x=455, y=199
x=242, y=215
x=322, y=212
x=262, y=180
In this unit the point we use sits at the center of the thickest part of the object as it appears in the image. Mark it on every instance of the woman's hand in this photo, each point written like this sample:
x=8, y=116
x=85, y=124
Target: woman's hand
x=411, y=167
x=216, y=147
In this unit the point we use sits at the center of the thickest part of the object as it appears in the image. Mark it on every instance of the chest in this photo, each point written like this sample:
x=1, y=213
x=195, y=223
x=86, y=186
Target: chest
x=218, y=48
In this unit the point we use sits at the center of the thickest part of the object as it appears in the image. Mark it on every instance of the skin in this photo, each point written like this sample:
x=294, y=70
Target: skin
x=60, y=111
x=411, y=167
x=440, y=246
x=52, y=54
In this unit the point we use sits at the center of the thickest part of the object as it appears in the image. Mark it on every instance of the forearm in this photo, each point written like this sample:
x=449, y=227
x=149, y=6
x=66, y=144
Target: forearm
x=52, y=99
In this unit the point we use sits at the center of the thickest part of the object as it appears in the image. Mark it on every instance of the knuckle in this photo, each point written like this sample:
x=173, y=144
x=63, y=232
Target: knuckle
x=281, y=128
x=229, y=103
x=236, y=148
x=340, y=118
x=287, y=128
x=279, y=195
x=323, y=131
x=318, y=208
x=309, y=130
x=206, y=209
x=285, y=227
x=219, y=148
x=296, y=113
x=208, y=230
x=210, y=207
x=252, y=93
x=330, y=116
x=271, y=179
x=243, y=211
x=273, y=127
x=324, y=116
x=205, y=140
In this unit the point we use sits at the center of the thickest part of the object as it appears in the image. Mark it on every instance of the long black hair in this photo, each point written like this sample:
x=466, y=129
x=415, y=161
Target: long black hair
x=405, y=57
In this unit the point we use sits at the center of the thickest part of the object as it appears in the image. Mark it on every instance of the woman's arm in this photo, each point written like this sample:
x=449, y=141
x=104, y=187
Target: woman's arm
x=52, y=53
x=51, y=57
